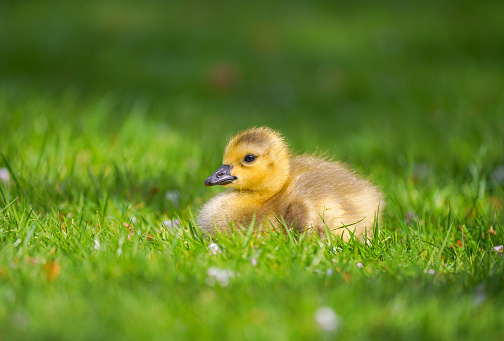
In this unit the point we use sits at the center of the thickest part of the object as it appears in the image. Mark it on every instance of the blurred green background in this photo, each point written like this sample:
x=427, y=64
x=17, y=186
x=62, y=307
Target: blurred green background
x=331, y=72
x=112, y=114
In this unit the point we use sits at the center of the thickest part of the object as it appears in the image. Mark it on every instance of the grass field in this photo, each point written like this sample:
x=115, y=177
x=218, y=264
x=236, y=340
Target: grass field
x=113, y=113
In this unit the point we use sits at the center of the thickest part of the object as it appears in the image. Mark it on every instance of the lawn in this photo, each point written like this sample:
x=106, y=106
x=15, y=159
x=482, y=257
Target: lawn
x=113, y=113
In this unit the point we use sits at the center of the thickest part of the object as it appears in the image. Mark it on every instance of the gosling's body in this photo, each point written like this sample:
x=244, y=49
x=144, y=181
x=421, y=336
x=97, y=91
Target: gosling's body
x=305, y=192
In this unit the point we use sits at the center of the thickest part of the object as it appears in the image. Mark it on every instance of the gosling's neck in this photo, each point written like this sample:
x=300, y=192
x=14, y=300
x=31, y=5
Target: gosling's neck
x=269, y=186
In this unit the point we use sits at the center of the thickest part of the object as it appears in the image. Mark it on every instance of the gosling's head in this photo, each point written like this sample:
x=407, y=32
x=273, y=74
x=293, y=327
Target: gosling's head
x=255, y=160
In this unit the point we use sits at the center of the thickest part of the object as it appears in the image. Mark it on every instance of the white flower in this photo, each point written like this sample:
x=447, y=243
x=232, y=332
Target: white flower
x=498, y=249
x=431, y=272
x=221, y=276
x=214, y=249
x=172, y=224
x=359, y=265
x=4, y=175
x=327, y=319
x=253, y=261
x=173, y=196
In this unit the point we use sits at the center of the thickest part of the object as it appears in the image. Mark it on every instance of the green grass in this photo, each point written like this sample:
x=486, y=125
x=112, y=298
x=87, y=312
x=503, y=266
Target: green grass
x=112, y=114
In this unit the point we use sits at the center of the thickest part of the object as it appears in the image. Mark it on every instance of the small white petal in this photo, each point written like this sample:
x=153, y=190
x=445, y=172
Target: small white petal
x=480, y=295
x=96, y=244
x=498, y=174
x=359, y=265
x=253, y=261
x=173, y=196
x=431, y=272
x=172, y=224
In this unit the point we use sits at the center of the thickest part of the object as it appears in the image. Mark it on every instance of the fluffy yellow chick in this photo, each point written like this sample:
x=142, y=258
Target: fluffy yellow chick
x=305, y=192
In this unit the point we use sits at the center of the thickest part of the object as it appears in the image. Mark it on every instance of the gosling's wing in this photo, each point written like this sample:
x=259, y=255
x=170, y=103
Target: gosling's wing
x=332, y=190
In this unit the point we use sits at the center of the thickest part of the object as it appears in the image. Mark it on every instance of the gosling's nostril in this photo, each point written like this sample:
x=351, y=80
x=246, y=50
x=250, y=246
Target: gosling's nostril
x=220, y=177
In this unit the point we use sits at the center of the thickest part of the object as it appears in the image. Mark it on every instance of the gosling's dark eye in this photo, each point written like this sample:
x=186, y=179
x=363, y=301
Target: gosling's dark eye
x=249, y=158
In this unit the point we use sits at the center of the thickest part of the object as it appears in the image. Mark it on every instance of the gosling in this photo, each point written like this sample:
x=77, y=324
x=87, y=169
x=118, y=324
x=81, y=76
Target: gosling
x=278, y=190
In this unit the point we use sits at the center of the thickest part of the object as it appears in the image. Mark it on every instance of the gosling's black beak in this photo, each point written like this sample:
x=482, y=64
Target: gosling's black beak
x=220, y=177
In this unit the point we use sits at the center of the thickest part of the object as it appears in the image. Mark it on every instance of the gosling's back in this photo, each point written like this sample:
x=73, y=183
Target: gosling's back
x=321, y=192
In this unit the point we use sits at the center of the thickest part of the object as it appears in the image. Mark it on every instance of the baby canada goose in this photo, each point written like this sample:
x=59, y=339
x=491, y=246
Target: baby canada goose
x=302, y=191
